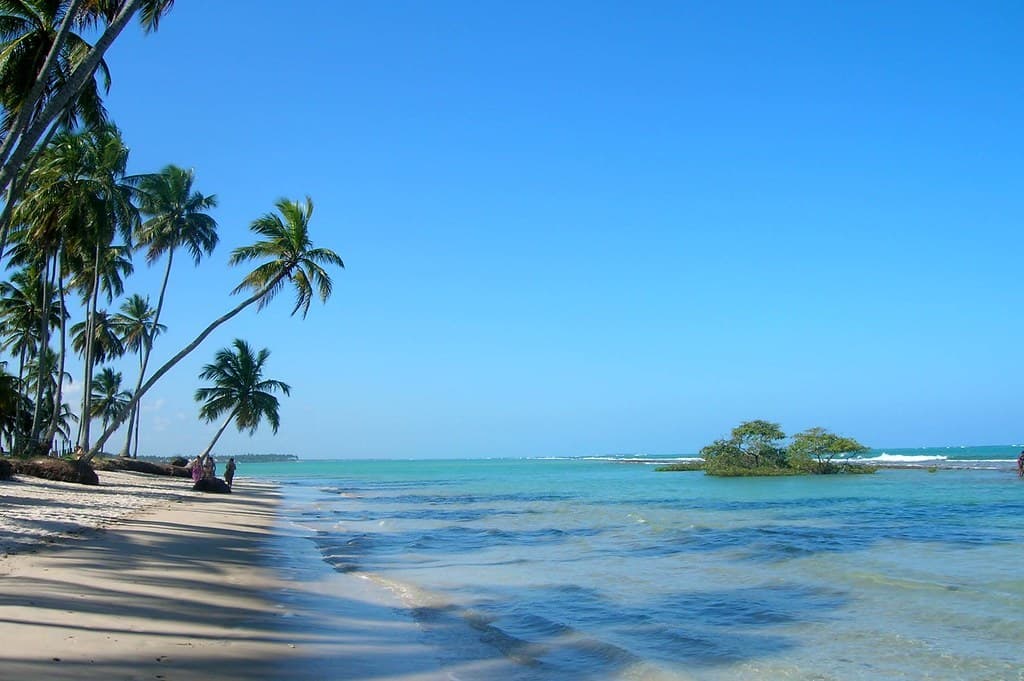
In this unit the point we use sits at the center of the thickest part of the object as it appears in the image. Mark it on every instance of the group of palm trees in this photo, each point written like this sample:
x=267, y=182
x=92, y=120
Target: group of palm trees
x=73, y=219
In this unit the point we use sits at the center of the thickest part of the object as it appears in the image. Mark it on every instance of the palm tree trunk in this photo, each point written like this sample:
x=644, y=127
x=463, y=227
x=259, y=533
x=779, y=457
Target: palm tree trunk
x=14, y=155
x=177, y=358
x=220, y=431
x=90, y=328
x=58, y=394
x=44, y=344
x=138, y=427
x=133, y=417
x=147, y=348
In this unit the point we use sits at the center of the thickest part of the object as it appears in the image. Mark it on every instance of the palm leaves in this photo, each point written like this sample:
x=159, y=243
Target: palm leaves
x=108, y=400
x=137, y=327
x=289, y=255
x=29, y=29
x=239, y=390
x=68, y=199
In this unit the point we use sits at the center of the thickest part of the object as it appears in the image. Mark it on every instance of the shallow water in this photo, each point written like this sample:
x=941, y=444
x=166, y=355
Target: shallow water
x=579, y=569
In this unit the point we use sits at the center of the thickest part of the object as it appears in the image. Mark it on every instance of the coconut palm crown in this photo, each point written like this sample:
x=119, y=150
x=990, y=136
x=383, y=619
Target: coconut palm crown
x=240, y=390
x=288, y=249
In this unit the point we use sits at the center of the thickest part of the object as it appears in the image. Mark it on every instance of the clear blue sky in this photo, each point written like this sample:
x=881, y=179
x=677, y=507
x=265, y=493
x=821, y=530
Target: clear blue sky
x=587, y=227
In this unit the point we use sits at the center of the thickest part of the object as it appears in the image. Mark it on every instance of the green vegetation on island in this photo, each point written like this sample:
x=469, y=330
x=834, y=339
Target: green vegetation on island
x=755, y=448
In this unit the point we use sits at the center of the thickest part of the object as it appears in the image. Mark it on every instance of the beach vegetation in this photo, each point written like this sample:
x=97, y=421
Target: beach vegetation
x=137, y=324
x=72, y=219
x=177, y=218
x=48, y=74
x=108, y=399
x=287, y=256
x=239, y=390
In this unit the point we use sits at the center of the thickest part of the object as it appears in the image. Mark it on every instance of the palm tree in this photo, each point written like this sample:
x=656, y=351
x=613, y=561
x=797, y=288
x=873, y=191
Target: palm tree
x=29, y=31
x=136, y=325
x=38, y=38
x=15, y=409
x=177, y=219
x=289, y=257
x=79, y=201
x=37, y=114
x=106, y=343
x=239, y=390
x=22, y=308
x=108, y=400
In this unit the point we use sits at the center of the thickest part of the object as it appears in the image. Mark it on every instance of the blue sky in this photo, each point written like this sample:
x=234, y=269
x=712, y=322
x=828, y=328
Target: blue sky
x=579, y=228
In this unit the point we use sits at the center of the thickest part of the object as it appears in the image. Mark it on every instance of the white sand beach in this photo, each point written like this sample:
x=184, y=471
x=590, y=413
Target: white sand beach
x=142, y=578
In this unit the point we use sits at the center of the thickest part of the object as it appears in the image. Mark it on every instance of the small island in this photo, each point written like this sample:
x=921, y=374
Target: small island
x=755, y=448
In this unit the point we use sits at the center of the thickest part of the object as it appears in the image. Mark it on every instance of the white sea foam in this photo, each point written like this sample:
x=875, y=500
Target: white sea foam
x=903, y=458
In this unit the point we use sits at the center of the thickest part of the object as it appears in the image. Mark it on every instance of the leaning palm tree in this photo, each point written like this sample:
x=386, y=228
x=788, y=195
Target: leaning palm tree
x=43, y=105
x=288, y=256
x=137, y=327
x=39, y=51
x=108, y=400
x=239, y=390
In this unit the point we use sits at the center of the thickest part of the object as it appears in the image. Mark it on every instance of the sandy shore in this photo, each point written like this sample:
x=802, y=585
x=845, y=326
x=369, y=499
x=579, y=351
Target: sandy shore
x=178, y=585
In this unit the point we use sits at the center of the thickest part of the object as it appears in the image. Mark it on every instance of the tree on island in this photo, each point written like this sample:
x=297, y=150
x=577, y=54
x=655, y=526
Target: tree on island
x=752, y=445
x=239, y=390
x=755, y=448
x=815, y=448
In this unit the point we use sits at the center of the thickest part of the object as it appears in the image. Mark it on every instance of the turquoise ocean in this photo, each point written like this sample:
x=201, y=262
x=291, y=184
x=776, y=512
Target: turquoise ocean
x=602, y=568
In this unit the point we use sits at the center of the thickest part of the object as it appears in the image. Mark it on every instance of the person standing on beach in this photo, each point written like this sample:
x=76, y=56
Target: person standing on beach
x=229, y=471
x=197, y=469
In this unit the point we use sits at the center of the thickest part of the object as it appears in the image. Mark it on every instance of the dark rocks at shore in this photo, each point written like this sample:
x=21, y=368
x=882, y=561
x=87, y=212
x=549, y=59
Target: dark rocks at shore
x=212, y=485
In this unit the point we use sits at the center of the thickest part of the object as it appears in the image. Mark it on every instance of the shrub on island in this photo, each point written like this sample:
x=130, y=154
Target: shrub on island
x=755, y=449
x=682, y=466
x=6, y=469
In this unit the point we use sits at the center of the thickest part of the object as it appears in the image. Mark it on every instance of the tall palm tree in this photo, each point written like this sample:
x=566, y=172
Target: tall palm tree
x=29, y=31
x=39, y=49
x=137, y=326
x=22, y=308
x=239, y=390
x=106, y=342
x=177, y=218
x=15, y=408
x=289, y=256
x=108, y=400
x=35, y=118
x=80, y=200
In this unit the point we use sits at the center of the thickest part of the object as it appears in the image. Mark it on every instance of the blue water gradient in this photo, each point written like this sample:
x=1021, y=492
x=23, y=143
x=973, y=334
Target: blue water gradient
x=594, y=569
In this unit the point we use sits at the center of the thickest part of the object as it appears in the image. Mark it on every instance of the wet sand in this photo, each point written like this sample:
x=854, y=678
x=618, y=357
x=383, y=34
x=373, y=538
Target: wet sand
x=177, y=585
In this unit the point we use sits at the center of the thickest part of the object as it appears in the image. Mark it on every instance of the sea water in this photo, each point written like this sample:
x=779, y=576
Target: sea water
x=599, y=569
